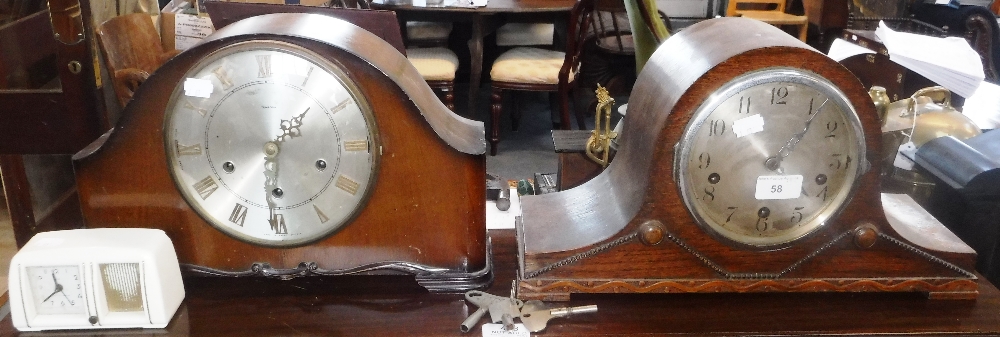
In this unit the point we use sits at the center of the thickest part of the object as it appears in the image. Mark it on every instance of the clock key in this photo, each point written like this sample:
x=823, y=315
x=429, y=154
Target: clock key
x=536, y=316
x=483, y=301
x=507, y=309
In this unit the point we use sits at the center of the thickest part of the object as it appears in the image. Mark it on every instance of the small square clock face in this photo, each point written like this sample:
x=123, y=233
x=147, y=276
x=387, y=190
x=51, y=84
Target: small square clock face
x=57, y=290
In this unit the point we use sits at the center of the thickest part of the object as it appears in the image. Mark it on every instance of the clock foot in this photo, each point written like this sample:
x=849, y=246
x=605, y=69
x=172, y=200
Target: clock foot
x=459, y=282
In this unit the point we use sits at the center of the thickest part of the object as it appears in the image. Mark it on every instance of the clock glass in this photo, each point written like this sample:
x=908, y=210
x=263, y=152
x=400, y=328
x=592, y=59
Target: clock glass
x=772, y=156
x=271, y=143
x=57, y=289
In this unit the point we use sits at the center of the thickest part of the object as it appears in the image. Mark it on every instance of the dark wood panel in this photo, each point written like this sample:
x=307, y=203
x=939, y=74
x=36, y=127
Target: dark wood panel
x=354, y=306
x=61, y=120
x=224, y=13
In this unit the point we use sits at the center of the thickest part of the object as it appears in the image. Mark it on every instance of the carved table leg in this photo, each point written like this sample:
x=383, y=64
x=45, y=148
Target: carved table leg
x=476, y=65
x=495, y=110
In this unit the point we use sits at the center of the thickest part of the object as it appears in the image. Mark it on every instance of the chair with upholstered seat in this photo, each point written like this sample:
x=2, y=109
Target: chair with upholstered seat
x=769, y=11
x=537, y=69
x=513, y=34
x=427, y=33
x=437, y=66
x=426, y=47
x=132, y=50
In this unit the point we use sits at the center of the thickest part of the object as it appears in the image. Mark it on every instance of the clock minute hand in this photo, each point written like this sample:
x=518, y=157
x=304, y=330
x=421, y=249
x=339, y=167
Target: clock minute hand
x=773, y=163
x=290, y=128
x=58, y=288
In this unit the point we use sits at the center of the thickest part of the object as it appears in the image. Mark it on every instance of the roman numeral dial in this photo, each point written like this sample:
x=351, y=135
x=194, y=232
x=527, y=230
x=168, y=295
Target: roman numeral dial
x=283, y=155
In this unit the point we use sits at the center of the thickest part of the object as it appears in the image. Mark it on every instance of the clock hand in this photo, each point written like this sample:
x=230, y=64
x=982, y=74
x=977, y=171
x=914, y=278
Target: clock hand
x=773, y=163
x=66, y=296
x=58, y=288
x=289, y=129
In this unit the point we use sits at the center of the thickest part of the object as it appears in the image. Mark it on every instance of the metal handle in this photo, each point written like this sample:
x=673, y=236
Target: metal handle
x=472, y=320
x=574, y=310
x=944, y=92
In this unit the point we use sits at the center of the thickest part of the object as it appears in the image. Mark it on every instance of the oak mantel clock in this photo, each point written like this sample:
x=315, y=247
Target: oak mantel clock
x=744, y=166
x=296, y=144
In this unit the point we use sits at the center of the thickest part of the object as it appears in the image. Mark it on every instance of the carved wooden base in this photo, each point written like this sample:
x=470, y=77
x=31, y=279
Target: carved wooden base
x=435, y=280
x=560, y=289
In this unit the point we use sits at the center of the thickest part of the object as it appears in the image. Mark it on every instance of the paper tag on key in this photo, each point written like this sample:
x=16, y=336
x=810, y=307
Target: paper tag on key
x=496, y=330
x=903, y=160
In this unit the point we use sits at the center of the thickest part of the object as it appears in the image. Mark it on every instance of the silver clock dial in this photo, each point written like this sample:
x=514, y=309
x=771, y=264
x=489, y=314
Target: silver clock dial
x=771, y=157
x=270, y=143
x=57, y=289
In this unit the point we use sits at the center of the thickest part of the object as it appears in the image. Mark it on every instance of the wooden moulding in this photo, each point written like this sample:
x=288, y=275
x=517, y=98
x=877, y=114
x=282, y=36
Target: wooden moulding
x=424, y=215
x=628, y=231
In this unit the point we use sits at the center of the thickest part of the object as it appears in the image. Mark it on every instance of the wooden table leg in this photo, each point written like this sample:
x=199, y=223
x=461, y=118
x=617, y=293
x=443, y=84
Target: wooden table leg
x=476, y=65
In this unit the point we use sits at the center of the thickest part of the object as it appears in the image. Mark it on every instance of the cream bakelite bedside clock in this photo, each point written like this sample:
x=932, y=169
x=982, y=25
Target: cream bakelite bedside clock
x=95, y=279
x=288, y=145
x=744, y=165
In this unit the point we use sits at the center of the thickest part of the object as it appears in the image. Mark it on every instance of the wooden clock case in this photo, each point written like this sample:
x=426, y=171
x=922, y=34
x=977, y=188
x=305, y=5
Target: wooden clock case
x=628, y=231
x=425, y=215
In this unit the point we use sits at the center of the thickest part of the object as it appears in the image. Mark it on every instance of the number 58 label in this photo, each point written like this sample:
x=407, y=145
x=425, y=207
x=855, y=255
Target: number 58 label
x=778, y=187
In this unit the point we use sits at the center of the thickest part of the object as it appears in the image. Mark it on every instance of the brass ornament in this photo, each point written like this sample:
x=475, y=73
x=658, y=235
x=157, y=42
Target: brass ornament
x=599, y=143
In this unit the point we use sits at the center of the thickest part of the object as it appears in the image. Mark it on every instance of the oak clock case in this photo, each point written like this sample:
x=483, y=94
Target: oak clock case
x=749, y=171
x=289, y=145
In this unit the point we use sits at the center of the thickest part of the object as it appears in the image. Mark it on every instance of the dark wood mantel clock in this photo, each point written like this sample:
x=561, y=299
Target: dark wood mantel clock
x=293, y=145
x=745, y=165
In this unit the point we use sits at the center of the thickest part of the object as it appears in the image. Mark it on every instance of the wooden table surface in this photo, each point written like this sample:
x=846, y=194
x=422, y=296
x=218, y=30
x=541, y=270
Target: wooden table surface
x=395, y=306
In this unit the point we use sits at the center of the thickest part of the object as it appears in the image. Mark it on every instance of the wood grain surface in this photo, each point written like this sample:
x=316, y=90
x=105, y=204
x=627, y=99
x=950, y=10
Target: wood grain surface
x=426, y=206
x=356, y=306
x=682, y=257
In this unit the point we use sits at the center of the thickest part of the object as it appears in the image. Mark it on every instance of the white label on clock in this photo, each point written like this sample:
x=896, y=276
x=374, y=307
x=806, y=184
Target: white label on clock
x=778, y=187
x=748, y=126
x=196, y=87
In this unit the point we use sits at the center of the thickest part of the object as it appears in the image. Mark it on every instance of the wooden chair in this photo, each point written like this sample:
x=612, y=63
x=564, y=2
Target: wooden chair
x=132, y=50
x=608, y=57
x=769, y=11
x=426, y=33
x=536, y=69
x=437, y=65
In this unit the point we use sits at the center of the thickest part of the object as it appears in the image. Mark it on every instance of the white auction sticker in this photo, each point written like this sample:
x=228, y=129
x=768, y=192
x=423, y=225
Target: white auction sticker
x=748, y=125
x=497, y=330
x=906, y=151
x=778, y=187
x=196, y=87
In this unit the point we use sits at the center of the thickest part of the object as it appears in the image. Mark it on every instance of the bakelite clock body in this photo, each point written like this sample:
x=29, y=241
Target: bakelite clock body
x=296, y=144
x=744, y=165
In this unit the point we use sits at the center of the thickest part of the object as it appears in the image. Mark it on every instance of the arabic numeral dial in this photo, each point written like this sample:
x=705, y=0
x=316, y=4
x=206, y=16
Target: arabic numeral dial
x=787, y=162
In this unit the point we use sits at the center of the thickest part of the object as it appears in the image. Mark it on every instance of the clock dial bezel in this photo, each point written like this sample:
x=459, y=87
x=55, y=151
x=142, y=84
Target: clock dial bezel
x=34, y=315
x=813, y=221
x=323, y=64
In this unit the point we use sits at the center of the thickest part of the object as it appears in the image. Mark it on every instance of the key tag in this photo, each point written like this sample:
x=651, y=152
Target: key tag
x=497, y=330
x=903, y=155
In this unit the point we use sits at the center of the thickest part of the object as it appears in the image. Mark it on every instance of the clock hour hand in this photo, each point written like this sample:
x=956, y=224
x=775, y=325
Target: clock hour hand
x=290, y=128
x=773, y=163
x=58, y=288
